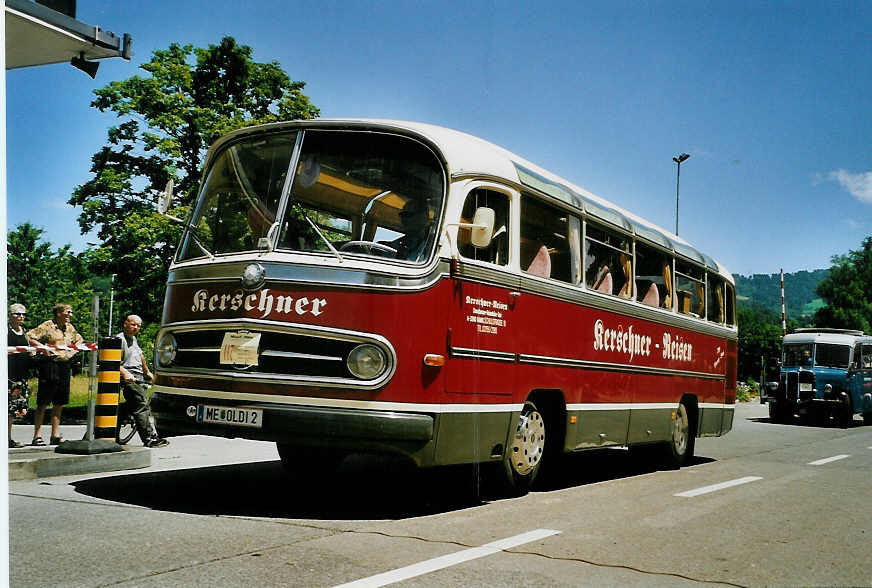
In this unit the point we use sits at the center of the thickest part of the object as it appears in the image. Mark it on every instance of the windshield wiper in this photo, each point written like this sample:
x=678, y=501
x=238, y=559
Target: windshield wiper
x=192, y=230
x=317, y=230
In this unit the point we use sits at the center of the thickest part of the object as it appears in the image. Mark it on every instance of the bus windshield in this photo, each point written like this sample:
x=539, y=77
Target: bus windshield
x=368, y=194
x=797, y=354
x=353, y=193
x=239, y=198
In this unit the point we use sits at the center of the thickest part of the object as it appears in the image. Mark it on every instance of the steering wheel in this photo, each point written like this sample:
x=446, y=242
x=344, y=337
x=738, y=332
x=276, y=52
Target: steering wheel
x=368, y=247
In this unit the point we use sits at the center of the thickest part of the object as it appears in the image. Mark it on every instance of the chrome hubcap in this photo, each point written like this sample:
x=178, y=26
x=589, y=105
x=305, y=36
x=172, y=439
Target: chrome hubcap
x=529, y=442
x=680, y=430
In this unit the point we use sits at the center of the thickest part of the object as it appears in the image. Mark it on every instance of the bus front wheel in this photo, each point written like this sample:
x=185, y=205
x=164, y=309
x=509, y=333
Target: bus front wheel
x=523, y=459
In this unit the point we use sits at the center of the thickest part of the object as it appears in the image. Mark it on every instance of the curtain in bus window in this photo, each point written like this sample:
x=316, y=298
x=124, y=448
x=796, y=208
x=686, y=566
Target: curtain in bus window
x=730, y=305
x=690, y=289
x=608, y=266
x=545, y=240
x=716, y=299
x=498, y=250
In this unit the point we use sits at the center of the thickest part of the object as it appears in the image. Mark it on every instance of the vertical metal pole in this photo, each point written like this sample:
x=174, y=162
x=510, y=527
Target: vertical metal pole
x=111, y=300
x=92, y=375
x=783, y=307
x=677, y=182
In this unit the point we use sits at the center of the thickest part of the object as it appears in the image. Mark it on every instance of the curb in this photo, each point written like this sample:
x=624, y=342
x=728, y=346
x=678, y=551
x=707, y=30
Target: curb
x=30, y=463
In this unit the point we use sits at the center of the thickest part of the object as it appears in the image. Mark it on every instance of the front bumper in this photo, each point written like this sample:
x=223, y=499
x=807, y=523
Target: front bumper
x=352, y=429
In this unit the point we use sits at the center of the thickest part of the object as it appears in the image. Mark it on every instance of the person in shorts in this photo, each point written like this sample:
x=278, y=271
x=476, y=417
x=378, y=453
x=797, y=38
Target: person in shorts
x=54, y=372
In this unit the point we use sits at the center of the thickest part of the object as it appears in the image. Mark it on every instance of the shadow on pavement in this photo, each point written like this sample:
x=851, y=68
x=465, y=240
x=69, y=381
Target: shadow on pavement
x=364, y=487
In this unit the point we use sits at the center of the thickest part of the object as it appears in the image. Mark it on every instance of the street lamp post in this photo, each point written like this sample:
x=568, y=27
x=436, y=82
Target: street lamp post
x=678, y=159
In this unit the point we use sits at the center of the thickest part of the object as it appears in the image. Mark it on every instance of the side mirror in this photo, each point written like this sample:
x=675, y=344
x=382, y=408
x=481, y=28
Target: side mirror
x=165, y=200
x=482, y=226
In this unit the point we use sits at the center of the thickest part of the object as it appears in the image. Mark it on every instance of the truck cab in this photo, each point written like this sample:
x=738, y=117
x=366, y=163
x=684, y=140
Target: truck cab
x=860, y=379
x=819, y=379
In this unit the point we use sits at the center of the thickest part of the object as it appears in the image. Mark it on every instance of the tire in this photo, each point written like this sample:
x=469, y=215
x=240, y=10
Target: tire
x=308, y=462
x=679, y=450
x=846, y=414
x=126, y=430
x=867, y=419
x=523, y=459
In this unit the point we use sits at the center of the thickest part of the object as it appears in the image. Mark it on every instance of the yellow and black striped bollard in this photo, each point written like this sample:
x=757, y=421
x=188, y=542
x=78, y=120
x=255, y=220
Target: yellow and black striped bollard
x=108, y=389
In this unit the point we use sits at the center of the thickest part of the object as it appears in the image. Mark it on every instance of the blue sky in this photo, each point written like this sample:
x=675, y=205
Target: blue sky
x=771, y=99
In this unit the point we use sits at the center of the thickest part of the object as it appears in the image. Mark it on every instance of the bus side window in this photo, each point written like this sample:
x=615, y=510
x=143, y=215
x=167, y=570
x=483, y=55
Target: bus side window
x=547, y=248
x=608, y=262
x=498, y=250
x=715, y=299
x=653, y=277
x=866, y=362
x=730, y=300
x=690, y=288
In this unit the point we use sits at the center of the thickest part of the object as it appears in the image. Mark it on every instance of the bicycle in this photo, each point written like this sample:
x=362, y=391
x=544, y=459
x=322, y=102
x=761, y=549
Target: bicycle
x=126, y=428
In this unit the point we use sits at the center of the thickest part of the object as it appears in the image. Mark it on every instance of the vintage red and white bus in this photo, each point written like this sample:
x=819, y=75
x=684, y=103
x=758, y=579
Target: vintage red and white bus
x=369, y=286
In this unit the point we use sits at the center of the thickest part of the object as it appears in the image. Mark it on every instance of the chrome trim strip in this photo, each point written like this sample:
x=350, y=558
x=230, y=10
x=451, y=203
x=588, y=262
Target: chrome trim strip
x=291, y=354
x=617, y=367
x=469, y=353
x=603, y=406
x=200, y=349
x=342, y=403
x=290, y=272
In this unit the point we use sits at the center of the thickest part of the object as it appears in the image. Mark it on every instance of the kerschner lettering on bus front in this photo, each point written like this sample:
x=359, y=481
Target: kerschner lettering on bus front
x=263, y=301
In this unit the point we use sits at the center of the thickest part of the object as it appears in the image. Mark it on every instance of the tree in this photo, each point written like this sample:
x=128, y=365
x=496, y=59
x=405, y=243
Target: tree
x=39, y=278
x=759, y=336
x=847, y=291
x=189, y=98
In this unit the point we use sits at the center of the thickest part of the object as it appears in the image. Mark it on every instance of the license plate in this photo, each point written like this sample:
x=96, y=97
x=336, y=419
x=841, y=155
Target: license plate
x=230, y=415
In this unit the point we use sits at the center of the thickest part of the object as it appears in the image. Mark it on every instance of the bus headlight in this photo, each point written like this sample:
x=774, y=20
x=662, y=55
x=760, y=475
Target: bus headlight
x=367, y=361
x=166, y=350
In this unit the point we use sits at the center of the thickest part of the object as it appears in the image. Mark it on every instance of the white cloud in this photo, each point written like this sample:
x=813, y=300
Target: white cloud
x=859, y=185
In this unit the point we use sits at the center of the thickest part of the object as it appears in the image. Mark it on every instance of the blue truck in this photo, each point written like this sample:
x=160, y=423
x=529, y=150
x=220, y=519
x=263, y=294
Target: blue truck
x=825, y=375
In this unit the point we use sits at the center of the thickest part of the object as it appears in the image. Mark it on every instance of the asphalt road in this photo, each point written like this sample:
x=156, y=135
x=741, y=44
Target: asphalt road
x=765, y=505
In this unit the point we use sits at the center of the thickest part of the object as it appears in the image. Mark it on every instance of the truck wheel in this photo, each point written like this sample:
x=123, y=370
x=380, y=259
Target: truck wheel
x=867, y=418
x=846, y=413
x=679, y=450
x=524, y=456
x=308, y=462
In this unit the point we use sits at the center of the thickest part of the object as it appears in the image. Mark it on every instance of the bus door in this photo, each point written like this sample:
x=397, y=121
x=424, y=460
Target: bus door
x=480, y=375
x=860, y=378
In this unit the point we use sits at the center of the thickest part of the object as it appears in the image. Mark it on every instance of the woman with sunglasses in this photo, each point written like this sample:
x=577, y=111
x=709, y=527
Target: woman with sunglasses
x=19, y=367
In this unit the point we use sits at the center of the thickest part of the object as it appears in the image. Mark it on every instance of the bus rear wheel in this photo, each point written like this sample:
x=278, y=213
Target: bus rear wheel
x=679, y=450
x=523, y=459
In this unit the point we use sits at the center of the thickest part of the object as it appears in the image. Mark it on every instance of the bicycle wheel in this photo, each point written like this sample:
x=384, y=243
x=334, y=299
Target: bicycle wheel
x=126, y=430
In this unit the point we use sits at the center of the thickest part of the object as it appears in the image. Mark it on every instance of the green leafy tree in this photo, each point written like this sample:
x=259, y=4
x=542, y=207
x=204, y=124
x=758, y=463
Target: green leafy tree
x=40, y=277
x=169, y=117
x=847, y=291
x=759, y=337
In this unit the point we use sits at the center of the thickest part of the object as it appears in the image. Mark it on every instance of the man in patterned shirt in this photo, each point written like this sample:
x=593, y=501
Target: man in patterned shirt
x=54, y=373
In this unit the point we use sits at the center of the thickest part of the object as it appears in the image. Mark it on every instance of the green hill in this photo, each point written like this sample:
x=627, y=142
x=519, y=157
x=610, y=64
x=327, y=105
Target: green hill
x=764, y=291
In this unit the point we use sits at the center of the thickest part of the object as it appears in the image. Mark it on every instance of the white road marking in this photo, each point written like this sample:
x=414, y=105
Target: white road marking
x=716, y=487
x=828, y=460
x=445, y=561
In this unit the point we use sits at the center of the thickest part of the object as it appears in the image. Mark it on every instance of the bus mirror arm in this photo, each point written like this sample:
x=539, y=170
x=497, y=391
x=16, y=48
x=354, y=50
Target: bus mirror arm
x=269, y=242
x=482, y=230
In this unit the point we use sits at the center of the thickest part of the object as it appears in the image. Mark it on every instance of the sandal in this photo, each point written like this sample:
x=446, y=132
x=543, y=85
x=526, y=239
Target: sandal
x=38, y=441
x=55, y=440
x=14, y=444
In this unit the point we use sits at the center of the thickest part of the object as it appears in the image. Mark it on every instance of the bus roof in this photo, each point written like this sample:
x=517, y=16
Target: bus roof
x=823, y=336
x=467, y=155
